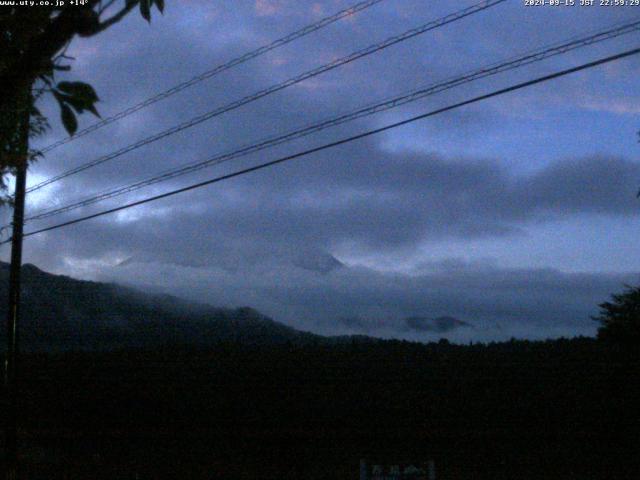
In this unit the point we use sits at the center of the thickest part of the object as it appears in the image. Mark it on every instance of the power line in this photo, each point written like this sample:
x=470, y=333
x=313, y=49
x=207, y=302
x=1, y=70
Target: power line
x=492, y=69
x=453, y=17
x=347, y=12
x=394, y=102
x=261, y=166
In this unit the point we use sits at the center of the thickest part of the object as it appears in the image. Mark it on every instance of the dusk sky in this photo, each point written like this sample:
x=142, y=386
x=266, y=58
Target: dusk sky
x=517, y=215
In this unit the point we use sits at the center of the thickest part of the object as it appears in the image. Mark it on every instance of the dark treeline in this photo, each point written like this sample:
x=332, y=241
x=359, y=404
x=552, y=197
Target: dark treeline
x=520, y=409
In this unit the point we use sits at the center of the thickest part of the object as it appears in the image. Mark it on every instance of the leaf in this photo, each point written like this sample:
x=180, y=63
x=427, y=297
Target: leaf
x=79, y=90
x=145, y=9
x=93, y=110
x=68, y=119
x=78, y=104
x=59, y=97
x=160, y=5
x=81, y=96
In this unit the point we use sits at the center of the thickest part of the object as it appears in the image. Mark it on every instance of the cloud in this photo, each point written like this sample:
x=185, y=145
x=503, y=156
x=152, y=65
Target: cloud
x=624, y=106
x=361, y=198
x=267, y=239
x=498, y=302
x=267, y=7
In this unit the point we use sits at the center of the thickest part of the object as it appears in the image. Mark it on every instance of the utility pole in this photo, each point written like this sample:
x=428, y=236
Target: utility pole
x=11, y=361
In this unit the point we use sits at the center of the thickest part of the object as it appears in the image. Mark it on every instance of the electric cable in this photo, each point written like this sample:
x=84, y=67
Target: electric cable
x=492, y=69
x=326, y=146
x=453, y=17
x=347, y=12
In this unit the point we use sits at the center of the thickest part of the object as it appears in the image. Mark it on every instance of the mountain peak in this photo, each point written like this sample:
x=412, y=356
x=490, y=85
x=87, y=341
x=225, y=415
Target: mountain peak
x=317, y=261
x=442, y=324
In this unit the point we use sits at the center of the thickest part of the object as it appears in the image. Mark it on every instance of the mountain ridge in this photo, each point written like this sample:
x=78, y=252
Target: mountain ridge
x=63, y=313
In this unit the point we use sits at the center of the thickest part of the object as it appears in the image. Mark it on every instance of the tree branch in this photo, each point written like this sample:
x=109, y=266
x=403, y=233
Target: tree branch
x=103, y=8
x=115, y=18
x=61, y=29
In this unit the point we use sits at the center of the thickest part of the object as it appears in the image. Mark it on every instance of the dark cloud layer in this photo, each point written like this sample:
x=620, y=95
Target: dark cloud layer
x=374, y=199
x=499, y=303
x=273, y=240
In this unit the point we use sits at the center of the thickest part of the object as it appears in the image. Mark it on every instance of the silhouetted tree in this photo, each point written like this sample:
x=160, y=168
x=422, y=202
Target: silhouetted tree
x=620, y=318
x=33, y=41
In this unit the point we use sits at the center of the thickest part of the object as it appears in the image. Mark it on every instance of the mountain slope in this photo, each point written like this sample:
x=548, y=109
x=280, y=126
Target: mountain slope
x=59, y=312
